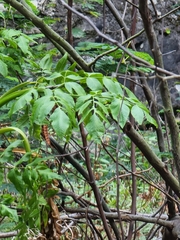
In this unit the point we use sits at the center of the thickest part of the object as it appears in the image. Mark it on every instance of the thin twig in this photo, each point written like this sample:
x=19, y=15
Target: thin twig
x=8, y=234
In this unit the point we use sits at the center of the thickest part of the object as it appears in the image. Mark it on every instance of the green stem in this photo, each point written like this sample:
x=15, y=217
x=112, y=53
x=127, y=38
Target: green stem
x=26, y=142
x=12, y=96
x=16, y=88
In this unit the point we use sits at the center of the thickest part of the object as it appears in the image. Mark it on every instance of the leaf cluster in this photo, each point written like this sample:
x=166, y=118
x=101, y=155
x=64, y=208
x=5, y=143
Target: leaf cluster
x=90, y=6
x=60, y=97
x=14, y=48
x=32, y=187
x=111, y=56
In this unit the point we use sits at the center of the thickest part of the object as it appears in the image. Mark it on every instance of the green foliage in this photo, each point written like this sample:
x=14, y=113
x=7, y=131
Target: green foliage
x=59, y=97
x=12, y=18
x=6, y=211
x=14, y=47
x=25, y=140
x=29, y=177
x=56, y=98
x=90, y=6
x=21, y=55
x=108, y=63
x=6, y=84
x=32, y=6
x=78, y=33
x=145, y=56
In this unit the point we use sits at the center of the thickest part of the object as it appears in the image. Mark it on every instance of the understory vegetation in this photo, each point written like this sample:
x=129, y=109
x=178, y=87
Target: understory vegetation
x=81, y=156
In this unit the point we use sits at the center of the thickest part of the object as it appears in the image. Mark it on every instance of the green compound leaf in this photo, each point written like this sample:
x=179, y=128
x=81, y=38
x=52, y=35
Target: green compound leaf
x=64, y=97
x=78, y=33
x=3, y=69
x=81, y=100
x=120, y=111
x=138, y=114
x=8, y=155
x=74, y=87
x=84, y=107
x=16, y=178
x=112, y=86
x=23, y=44
x=23, y=100
x=46, y=62
x=41, y=109
x=10, y=33
x=94, y=84
x=60, y=122
x=47, y=175
x=5, y=211
x=95, y=127
x=61, y=63
x=150, y=119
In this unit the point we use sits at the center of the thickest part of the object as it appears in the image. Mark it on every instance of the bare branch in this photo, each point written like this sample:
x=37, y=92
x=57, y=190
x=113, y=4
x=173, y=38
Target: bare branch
x=135, y=58
x=81, y=170
x=152, y=157
x=8, y=234
x=93, y=182
x=164, y=88
x=117, y=17
x=161, y=220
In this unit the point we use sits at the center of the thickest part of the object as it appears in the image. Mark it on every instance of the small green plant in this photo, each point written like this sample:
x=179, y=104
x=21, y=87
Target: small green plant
x=32, y=180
